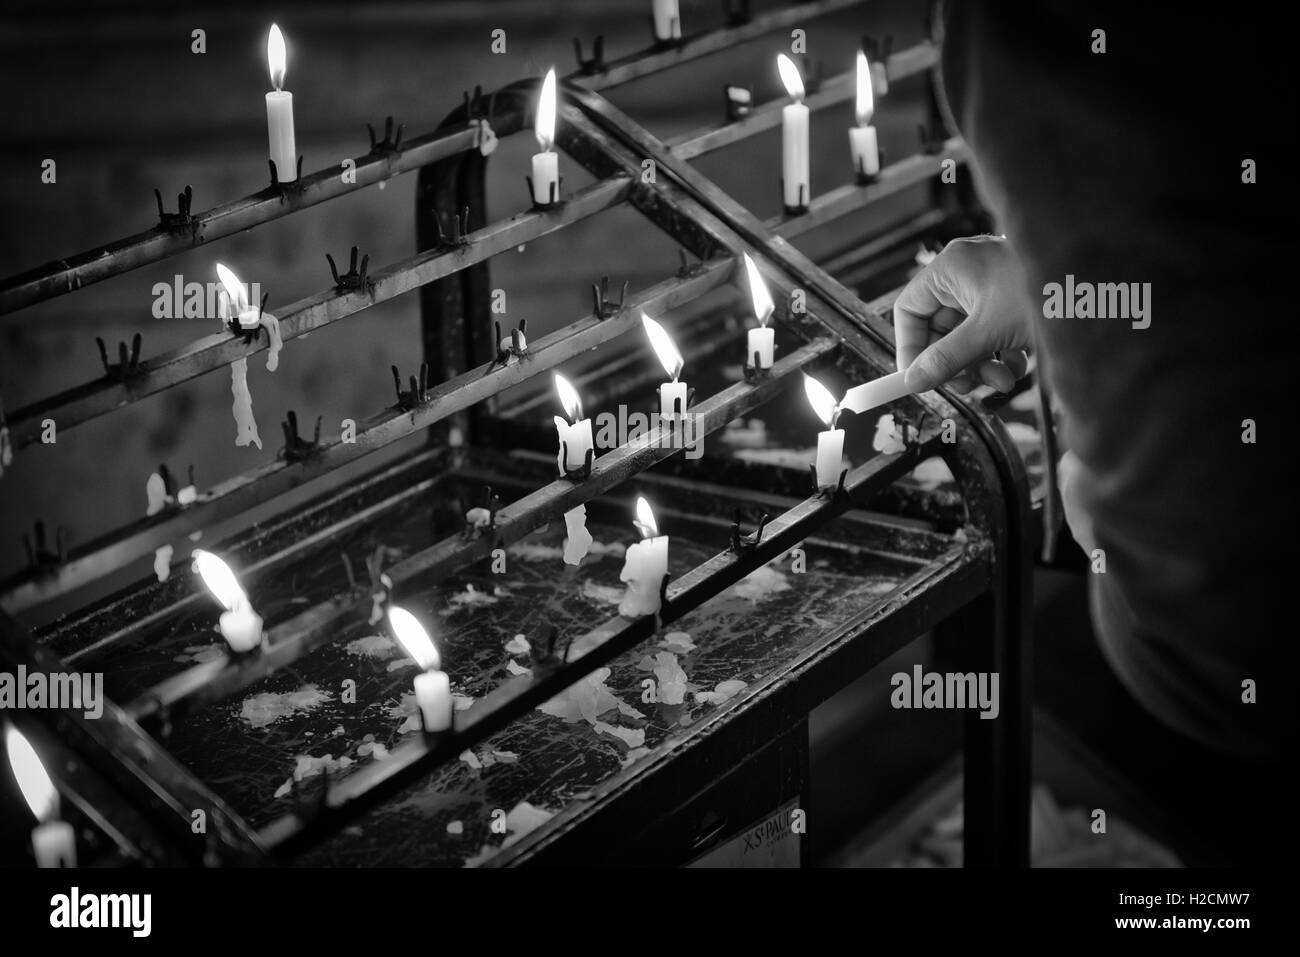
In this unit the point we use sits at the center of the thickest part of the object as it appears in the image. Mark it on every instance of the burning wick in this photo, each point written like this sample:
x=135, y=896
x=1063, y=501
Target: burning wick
x=794, y=139
x=862, y=137
x=432, y=687
x=239, y=624
x=575, y=434
x=236, y=300
x=546, y=164
x=53, y=841
x=672, y=395
x=279, y=111
x=644, y=567
x=830, y=444
x=762, y=341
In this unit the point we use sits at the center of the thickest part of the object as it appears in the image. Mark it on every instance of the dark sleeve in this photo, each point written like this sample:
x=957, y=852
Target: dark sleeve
x=1126, y=166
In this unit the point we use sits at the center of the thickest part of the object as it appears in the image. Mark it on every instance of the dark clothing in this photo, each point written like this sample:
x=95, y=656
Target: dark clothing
x=1126, y=166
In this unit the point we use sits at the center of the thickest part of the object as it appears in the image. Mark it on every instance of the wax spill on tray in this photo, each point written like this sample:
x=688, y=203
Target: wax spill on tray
x=261, y=710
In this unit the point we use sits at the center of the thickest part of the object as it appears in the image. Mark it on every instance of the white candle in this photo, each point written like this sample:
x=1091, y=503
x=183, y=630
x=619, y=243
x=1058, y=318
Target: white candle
x=830, y=444
x=574, y=435
x=239, y=625
x=794, y=138
x=432, y=687
x=668, y=21
x=672, y=395
x=761, y=341
x=877, y=392
x=279, y=111
x=236, y=300
x=546, y=163
x=644, y=566
x=53, y=841
x=862, y=138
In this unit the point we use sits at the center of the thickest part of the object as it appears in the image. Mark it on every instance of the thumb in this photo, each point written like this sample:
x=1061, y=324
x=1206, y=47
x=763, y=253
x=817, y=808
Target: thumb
x=968, y=342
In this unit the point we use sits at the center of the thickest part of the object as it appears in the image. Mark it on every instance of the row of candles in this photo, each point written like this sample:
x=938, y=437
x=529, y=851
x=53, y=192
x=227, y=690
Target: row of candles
x=646, y=562
x=795, y=120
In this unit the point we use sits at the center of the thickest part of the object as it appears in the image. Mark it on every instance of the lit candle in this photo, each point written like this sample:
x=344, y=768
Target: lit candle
x=53, y=841
x=668, y=21
x=236, y=300
x=877, y=392
x=672, y=395
x=432, y=686
x=546, y=164
x=644, y=566
x=794, y=139
x=830, y=444
x=239, y=624
x=575, y=434
x=862, y=138
x=762, y=341
x=279, y=111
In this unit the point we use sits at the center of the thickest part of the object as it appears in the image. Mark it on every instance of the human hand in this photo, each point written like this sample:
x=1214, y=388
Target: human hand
x=966, y=305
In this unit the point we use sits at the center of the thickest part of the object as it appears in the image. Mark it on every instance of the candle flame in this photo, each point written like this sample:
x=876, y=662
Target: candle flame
x=221, y=581
x=33, y=780
x=568, y=398
x=412, y=636
x=763, y=305
x=645, y=519
x=276, y=57
x=545, y=127
x=790, y=77
x=234, y=288
x=662, y=343
x=823, y=402
x=866, y=104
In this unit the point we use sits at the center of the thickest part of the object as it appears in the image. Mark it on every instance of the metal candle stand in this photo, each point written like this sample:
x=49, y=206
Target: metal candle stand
x=979, y=584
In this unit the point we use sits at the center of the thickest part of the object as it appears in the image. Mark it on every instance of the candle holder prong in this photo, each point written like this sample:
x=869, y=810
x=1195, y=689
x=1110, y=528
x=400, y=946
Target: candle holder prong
x=860, y=174
x=663, y=597
x=128, y=364
x=582, y=472
x=296, y=448
x=932, y=136
x=597, y=62
x=552, y=203
x=181, y=219
x=418, y=394
x=284, y=189
x=803, y=200
x=249, y=335
x=877, y=49
x=391, y=143
x=40, y=558
x=355, y=278
x=687, y=269
x=737, y=12
x=756, y=372
x=813, y=72
x=459, y=238
x=602, y=306
x=746, y=543
x=740, y=101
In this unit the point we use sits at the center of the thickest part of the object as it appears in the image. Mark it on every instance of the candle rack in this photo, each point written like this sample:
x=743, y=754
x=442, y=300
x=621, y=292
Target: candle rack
x=969, y=574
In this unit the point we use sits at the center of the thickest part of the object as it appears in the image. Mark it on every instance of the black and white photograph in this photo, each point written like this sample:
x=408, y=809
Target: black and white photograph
x=613, y=435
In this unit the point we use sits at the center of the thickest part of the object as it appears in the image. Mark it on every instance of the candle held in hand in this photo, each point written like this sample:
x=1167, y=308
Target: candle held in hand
x=575, y=434
x=53, y=841
x=279, y=111
x=761, y=344
x=433, y=687
x=644, y=566
x=862, y=137
x=794, y=140
x=239, y=625
x=546, y=163
x=672, y=395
